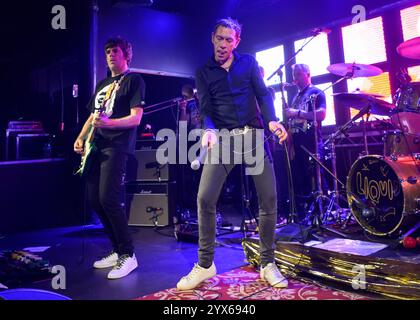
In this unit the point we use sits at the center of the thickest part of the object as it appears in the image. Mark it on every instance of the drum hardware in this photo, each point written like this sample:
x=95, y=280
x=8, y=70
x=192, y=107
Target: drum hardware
x=336, y=196
x=314, y=218
x=407, y=97
x=393, y=157
x=366, y=104
x=412, y=180
x=346, y=71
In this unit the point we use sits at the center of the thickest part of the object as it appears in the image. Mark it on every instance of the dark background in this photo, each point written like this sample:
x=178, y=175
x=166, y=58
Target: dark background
x=171, y=38
x=39, y=64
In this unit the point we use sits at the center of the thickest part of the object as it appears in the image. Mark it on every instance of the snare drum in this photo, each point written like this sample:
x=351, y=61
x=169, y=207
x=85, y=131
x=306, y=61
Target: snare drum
x=383, y=194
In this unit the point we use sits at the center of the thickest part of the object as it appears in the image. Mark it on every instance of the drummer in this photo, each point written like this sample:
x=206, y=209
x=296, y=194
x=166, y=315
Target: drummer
x=300, y=117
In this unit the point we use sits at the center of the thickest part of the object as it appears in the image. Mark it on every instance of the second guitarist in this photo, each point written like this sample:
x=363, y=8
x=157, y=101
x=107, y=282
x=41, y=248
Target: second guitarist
x=300, y=119
x=120, y=97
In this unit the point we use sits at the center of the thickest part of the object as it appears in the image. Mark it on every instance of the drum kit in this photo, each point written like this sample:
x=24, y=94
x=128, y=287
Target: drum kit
x=383, y=191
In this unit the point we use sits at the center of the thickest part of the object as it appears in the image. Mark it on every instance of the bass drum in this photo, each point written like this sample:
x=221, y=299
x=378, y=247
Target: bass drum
x=384, y=194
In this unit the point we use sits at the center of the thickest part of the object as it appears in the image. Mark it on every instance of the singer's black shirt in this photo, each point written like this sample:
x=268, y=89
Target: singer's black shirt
x=228, y=99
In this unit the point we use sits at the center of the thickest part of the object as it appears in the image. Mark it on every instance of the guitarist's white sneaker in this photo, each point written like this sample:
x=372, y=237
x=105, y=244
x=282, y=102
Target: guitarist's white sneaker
x=107, y=262
x=124, y=266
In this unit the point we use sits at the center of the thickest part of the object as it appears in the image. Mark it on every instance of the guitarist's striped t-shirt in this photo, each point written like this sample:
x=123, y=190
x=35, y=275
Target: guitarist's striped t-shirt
x=129, y=94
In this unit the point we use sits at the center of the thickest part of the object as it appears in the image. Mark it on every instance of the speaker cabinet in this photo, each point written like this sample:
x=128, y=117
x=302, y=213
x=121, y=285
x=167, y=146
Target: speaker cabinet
x=150, y=204
x=143, y=167
x=33, y=146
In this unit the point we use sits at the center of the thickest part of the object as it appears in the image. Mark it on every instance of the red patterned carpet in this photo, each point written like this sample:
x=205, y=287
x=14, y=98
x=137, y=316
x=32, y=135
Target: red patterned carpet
x=245, y=284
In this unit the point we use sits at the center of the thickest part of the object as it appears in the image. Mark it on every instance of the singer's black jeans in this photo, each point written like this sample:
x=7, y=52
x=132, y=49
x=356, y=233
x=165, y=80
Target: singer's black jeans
x=211, y=183
x=105, y=189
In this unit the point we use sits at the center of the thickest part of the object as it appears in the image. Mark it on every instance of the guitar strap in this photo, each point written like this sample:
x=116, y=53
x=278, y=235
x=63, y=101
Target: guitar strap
x=113, y=87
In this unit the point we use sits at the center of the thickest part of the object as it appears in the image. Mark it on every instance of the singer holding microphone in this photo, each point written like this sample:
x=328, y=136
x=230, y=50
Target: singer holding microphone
x=229, y=86
x=300, y=118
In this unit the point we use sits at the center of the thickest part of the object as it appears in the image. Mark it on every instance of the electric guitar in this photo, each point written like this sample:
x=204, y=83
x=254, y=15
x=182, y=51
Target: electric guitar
x=89, y=149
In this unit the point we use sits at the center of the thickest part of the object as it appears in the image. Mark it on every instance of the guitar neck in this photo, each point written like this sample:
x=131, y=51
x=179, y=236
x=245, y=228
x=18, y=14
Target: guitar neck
x=91, y=134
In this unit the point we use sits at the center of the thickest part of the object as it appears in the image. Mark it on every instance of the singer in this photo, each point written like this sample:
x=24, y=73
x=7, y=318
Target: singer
x=300, y=118
x=121, y=96
x=229, y=86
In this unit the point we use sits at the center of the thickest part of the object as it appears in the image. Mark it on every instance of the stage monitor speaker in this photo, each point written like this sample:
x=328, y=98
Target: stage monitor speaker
x=150, y=204
x=143, y=167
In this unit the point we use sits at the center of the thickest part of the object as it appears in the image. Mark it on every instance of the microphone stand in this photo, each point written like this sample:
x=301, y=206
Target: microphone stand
x=164, y=105
x=292, y=202
x=333, y=202
x=279, y=71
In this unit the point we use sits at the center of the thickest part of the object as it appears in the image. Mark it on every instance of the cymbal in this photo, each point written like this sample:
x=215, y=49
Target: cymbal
x=361, y=100
x=374, y=95
x=410, y=48
x=354, y=70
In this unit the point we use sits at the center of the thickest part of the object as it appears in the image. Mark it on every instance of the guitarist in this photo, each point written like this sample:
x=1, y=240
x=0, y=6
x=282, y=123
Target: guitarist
x=300, y=116
x=116, y=111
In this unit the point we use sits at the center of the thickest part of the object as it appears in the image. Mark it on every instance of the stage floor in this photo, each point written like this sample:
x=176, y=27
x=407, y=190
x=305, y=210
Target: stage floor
x=163, y=260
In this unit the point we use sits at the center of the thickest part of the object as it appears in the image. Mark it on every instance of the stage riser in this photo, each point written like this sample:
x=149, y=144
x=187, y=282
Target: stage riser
x=392, y=278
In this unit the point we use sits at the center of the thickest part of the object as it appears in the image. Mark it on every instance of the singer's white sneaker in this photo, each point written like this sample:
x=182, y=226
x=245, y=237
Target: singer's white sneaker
x=272, y=275
x=196, y=276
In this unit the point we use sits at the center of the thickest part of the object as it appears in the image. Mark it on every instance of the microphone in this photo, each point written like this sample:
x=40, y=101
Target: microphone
x=195, y=165
x=75, y=92
x=365, y=205
x=321, y=30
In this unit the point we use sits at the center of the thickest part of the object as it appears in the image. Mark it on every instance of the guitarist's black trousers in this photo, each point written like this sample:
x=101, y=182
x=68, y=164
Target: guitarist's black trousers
x=104, y=190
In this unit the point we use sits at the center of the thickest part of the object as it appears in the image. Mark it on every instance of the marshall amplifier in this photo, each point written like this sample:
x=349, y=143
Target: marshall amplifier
x=143, y=166
x=33, y=146
x=23, y=132
x=150, y=204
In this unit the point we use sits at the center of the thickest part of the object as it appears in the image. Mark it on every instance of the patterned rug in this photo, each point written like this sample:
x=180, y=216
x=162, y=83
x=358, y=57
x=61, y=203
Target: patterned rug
x=245, y=284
